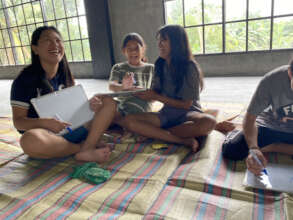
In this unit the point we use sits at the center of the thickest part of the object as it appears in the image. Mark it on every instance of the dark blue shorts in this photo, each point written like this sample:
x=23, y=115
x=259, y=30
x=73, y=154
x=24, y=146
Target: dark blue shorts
x=76, y=136
x=235, y=147
x=170, y=116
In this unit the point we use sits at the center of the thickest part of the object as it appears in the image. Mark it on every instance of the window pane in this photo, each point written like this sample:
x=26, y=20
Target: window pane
x=48, y=10
x=30, y=29
x=259, y=35
x=10, y=56
x=27, y=54
x=213, y=39
x=73, y=28
x=62, y=27
x=15, y=36
x=2, y=45
x=260, y=8
x=6, y=38
x=70, y=8
x=28, y=13
x=52, y=23
x=76, y=50
x=68, y=51
x=212, y=11
x=236, y=37
x=8, y=3
x=37, y=12
x=20, y=16
x=235, y=10
x=283, y=33
x=174, y=12
x=83, y=27
x=24, y=36
x=195, y=37
x=3, y=57
x=17, y=2
x=2, y=19
x=283, y=7
x=19, y=57
x=59, y=9
x=80, y=7
x=193, y=12
x=86, y=50
x=11, y=21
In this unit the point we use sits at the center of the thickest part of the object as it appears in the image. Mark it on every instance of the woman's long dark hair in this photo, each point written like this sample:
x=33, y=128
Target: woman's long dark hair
x=63, y=68
x=181, y=56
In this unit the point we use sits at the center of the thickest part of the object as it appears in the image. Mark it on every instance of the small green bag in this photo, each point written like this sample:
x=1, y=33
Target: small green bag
x=91, y=172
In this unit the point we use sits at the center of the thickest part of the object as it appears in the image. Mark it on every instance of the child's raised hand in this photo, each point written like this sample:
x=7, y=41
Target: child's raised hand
x=128, y=81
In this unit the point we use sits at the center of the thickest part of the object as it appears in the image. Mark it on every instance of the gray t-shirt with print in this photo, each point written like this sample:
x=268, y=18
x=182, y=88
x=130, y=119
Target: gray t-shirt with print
x=190, y=89
x=272, y=101
x=143, y=78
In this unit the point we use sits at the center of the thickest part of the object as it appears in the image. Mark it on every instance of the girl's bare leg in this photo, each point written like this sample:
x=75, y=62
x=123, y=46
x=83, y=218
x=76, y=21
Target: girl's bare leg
x=99, y=124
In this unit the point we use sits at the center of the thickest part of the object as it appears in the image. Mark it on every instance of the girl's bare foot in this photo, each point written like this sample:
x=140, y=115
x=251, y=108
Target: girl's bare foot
x=191, y=142
x=99, y=155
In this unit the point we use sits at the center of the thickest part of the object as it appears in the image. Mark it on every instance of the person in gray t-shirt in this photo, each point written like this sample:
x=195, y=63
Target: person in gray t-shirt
x=268, y=123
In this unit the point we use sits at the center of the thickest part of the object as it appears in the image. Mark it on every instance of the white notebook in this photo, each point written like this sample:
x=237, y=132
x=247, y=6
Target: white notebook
x=70, y=105
x=280, y=177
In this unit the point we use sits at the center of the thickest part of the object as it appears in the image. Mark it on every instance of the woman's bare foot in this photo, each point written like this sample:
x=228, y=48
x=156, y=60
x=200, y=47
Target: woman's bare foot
x=99, y=155
x=191, y=142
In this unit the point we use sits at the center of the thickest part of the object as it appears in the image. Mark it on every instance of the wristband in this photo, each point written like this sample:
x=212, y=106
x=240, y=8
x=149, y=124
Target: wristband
x=253, y=147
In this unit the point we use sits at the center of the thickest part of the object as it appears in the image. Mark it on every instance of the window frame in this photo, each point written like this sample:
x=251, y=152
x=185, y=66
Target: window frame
x=224, y=22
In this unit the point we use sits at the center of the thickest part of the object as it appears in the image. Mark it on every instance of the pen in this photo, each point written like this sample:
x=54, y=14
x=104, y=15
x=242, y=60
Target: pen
x=59, y=118
x=258, y=161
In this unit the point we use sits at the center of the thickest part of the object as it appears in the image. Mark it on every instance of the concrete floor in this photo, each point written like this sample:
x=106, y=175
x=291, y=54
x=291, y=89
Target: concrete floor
x=217, y=89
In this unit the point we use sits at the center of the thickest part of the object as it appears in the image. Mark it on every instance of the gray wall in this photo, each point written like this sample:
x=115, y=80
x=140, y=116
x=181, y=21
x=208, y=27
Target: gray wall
x=145, y=17
x=141, y=16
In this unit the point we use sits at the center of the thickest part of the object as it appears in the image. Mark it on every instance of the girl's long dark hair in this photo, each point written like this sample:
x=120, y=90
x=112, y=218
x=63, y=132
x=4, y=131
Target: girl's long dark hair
x=135, y=37
x=63, y=68
x=181, y=56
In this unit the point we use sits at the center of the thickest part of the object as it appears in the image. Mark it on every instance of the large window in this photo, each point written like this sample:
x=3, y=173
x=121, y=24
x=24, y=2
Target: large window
x=19, y=18
x=227, y=26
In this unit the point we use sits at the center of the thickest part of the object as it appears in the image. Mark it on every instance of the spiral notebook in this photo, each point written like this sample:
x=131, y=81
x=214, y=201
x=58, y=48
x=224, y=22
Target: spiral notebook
x=70, y=105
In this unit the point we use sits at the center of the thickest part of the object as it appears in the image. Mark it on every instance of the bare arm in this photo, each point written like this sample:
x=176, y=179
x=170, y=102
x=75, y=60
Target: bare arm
x=151, y=95
x=24, y=123
x=250, y=133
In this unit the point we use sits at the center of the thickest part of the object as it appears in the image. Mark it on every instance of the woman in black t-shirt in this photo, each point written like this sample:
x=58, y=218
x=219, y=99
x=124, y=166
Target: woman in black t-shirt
x=49, y=72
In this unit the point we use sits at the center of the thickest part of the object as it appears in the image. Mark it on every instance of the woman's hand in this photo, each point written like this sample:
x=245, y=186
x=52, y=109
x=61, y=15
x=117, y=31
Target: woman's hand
x=54, y=125
x=128, y=81
x=148, y=95
x=96, y=103
x=252, y=165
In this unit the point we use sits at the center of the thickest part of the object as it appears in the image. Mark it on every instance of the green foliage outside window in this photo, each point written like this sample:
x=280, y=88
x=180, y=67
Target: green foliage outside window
x=19, y=18
x=210, y=26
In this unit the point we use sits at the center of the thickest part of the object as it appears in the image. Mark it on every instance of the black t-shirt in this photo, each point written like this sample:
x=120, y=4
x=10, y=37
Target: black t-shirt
x=30, y=84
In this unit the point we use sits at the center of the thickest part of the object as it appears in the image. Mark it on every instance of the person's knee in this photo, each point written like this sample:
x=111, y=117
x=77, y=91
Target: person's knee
x=129, y=122
x=109, y=102
x=30, y=142
x=209, y=123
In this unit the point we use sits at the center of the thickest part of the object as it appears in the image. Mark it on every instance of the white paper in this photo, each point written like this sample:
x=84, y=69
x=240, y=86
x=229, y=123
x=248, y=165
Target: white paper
x=70, y=104
x=280, y=177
